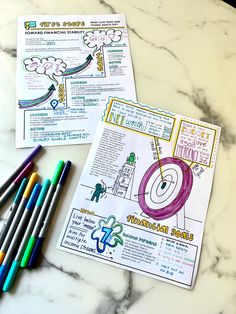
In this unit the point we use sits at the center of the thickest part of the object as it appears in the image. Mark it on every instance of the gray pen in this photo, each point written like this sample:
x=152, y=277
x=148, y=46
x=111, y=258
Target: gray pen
x=13, y=186
x=12, y=210
x=16, y=262
x=42, y=214
x=19, y=232
x=17, y=217
x=49, y=216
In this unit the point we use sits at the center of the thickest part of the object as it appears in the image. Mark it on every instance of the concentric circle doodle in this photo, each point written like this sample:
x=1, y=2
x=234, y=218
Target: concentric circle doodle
x=165, y=187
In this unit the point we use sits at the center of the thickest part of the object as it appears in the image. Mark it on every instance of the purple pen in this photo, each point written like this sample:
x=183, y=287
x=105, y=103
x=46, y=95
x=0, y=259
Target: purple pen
x=19, y=169
x=13, y=186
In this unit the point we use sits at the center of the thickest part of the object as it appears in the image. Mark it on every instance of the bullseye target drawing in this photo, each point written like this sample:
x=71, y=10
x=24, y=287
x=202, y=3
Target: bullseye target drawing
x=165, y=187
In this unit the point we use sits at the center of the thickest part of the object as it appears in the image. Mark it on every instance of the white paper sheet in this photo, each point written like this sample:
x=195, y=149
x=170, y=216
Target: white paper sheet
x=142, y=199
x=67, y=66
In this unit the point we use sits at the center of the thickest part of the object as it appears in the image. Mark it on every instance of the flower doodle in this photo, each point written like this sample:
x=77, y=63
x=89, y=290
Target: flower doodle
x=107, y=233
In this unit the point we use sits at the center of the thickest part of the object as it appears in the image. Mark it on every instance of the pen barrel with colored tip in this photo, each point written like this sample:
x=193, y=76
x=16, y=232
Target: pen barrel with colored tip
x=42, y=214
x=47, y=221
x=51, y=211
x=37, y=227
x=13, y=186
x=37, y=242
x=18, y=232
x=12, y=210
x=11, y=178
x=11, y=276
x=32, y=154
x=21, y=226
x=19, y=212
x=32, y=221
x=20, y=168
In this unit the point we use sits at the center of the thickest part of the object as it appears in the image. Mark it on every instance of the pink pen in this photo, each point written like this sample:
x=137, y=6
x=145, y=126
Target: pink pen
x=13, y=186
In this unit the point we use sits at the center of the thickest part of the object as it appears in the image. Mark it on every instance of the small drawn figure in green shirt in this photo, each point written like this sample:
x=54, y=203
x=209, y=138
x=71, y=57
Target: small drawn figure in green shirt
x=98, y=191
x=131, y=159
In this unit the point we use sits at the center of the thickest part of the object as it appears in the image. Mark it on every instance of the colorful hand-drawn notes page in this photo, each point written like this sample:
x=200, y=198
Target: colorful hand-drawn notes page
x=142, y=199
x=67, y=66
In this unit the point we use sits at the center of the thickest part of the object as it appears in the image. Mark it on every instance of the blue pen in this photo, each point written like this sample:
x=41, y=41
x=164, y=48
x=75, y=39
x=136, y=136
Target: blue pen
x=49, y=216
x=18, y=233
x=16, y=263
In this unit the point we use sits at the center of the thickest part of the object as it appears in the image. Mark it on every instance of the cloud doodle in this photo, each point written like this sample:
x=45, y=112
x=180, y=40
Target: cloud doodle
x=49, y=66
x=99, y=38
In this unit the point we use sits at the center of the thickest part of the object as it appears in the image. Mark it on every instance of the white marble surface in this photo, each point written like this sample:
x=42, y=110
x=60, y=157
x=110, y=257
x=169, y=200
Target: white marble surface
x=184, y=57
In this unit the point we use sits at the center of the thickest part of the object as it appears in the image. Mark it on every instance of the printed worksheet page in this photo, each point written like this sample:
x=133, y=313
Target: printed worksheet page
x=67, y=66
x=142, y=199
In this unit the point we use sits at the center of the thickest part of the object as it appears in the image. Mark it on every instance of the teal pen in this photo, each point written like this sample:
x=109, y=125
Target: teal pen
x=19, y=232
x=16, y=263
x=43, y=212
x=47, y=221
x=12, y=210
x=17, y=217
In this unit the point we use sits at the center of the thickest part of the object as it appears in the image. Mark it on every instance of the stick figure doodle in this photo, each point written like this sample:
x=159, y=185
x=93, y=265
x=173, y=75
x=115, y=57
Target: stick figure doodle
x=99, y=190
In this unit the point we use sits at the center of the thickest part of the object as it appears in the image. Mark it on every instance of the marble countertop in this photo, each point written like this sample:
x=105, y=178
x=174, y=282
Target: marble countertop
x=184, y=58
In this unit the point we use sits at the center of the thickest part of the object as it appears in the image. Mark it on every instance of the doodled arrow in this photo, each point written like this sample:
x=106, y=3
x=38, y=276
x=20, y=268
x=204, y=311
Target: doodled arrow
x=36, y=101
x=79, y=68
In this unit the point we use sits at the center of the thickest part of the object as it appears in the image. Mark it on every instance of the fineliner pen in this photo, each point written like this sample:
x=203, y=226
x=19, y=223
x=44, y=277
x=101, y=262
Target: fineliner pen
x=49, y=216
x=16, y=262
x=13, y=186
x=19, y=232
x=12, y=210
x=19, y=212
x=20, y=168
x=43, y=212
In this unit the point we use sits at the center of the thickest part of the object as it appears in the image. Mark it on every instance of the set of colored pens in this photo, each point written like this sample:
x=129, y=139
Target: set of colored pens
x=28, y=219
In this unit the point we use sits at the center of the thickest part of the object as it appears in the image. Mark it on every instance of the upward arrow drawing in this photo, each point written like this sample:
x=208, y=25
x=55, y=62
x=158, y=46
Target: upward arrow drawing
x=79, y=68
x=36, y=101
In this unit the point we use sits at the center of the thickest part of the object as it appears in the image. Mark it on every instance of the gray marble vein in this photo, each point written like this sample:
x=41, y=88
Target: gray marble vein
x=131, y=29
x=112, y=304
x=199, y=99
x=47, y=264
x=9, y=51
x=150, y=14
x=221, y=24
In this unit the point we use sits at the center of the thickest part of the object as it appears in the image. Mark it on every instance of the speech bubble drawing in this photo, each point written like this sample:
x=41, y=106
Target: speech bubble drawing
x=99, y=38
x=49, y=66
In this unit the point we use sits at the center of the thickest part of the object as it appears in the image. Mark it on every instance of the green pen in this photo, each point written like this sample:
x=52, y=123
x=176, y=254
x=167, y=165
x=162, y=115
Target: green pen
x=43, y=212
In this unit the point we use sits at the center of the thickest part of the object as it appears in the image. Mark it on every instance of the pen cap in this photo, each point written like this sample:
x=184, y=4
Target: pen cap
x=65, y=172
x=33, y=196
x=28, y=251
x=11, y=276
x=33, y=154
x=35, y=253
x=3, y=273
x=57, y=172
x=43, y=192
x=24, y=172
x=33, y=178
x=20, y=191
